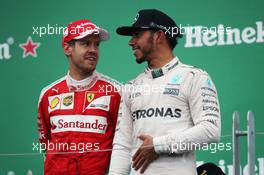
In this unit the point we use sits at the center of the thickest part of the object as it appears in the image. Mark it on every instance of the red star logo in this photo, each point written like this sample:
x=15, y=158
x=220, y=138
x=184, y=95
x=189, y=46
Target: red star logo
x=29, y=48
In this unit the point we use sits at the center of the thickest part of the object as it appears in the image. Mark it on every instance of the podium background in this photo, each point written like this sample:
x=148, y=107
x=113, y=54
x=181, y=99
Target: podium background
x=236, y=68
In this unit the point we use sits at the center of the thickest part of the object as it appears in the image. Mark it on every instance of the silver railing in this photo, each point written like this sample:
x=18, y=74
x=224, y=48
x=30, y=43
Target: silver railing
x=250, y=133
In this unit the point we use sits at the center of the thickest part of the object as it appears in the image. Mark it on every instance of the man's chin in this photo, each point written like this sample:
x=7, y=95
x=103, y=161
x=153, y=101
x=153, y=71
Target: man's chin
x=89, y=70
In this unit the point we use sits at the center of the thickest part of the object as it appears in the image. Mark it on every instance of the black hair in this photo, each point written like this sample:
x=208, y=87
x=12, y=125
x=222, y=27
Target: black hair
x=173, y=41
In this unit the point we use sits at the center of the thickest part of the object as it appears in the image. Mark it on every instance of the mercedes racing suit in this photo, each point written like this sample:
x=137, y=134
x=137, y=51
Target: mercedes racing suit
x=75, y=120
x=178, y=106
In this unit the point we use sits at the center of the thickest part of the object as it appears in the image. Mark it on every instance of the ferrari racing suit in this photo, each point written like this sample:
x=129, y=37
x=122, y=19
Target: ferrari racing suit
x=76, y=119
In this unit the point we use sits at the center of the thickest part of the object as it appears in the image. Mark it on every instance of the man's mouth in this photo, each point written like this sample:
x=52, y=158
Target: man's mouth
x=135, y=49
x=90, y=58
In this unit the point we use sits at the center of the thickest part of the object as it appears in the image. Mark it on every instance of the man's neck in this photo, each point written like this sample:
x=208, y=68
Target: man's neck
x=78, y=75
x=160, y=60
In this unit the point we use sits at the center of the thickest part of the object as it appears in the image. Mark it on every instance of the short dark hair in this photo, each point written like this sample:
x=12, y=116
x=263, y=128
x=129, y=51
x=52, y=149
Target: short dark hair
x=72, y=42
x=172, y=41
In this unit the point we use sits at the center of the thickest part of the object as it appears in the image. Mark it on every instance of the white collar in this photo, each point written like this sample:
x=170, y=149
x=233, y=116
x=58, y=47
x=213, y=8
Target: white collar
x=81, y=85
x=155, y=73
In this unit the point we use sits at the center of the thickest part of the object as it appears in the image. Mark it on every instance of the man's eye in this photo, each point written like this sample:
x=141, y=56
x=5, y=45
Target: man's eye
x=84, y=43
x=136, y=34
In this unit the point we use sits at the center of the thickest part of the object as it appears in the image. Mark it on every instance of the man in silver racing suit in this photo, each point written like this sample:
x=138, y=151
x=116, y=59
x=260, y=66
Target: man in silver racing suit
x=167, y=111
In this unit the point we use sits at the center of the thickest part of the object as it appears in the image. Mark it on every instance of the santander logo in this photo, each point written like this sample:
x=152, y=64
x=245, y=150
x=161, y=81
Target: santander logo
x=79, y=123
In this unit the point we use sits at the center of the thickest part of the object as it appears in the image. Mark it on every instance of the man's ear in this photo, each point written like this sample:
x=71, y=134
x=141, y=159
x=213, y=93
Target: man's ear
x=159, y=36
x=67, y=49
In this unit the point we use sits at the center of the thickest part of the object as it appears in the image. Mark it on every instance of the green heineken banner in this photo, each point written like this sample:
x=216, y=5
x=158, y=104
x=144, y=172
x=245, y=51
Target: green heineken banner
x=225, y=38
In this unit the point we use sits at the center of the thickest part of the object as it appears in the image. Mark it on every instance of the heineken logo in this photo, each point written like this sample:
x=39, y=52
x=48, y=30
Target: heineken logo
x=196, y=36
x=5, y=49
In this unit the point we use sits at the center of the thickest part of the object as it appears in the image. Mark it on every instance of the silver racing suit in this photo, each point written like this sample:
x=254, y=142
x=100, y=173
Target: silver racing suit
x=178, y=106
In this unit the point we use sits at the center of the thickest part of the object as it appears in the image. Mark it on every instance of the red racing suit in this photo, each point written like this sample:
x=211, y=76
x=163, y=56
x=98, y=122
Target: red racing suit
x=76, y=119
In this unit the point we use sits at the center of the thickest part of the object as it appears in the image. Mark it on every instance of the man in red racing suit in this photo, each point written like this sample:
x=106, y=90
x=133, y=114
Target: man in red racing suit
x=77, y=114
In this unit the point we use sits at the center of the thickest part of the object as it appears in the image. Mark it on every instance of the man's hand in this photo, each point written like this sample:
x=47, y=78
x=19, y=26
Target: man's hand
x=145, y=153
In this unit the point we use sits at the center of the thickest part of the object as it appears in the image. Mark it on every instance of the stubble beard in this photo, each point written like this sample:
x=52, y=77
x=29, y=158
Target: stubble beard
x=147, y=52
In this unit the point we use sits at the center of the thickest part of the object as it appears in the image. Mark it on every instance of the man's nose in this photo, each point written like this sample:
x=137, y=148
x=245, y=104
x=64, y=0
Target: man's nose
x=131, y=42
x=93, y=48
